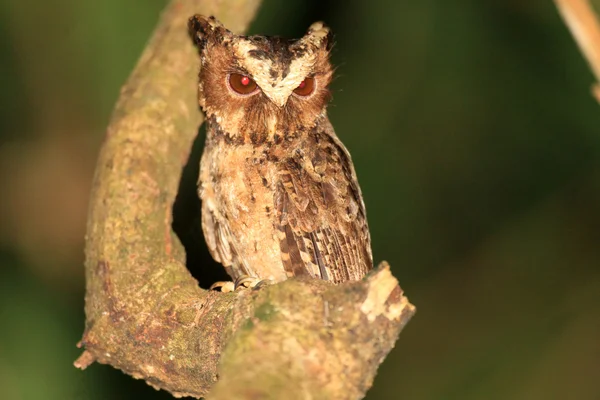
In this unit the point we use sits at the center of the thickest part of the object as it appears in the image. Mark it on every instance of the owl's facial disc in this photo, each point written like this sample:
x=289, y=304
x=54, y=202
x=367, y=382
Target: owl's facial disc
x=277, y=73
x=260, y=85
x=280, y=66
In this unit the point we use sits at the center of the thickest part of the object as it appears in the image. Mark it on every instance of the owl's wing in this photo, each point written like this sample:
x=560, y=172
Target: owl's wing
x=320, y=212
x=218, y=238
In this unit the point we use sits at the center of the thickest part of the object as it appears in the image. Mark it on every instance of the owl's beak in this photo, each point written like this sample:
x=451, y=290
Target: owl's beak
x=278, y=93
x=278, y=99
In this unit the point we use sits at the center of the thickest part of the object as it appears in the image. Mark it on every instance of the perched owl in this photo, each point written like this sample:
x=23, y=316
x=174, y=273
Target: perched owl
x=279, y=192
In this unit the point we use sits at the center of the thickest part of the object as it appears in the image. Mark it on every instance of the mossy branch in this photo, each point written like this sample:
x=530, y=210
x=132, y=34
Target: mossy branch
x=145, y=313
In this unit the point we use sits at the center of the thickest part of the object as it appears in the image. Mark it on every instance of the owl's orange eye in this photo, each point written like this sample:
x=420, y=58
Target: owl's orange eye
x=306, y=87
x=242, y=84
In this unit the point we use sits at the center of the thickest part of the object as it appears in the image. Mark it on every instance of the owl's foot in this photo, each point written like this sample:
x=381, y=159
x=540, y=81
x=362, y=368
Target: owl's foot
x=250, y=282
x=242, y=282
x=223, y=286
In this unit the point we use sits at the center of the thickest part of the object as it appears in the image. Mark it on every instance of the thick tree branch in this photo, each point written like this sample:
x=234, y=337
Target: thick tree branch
x=145, y=313
x=580, y=18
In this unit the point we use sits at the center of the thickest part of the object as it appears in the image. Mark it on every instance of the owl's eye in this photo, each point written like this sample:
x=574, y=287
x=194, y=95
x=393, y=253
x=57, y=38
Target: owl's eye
x=242, y=84
x=306, y=87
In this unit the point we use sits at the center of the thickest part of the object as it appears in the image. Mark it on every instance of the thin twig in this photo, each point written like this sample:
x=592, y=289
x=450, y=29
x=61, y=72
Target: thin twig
x=582, y=21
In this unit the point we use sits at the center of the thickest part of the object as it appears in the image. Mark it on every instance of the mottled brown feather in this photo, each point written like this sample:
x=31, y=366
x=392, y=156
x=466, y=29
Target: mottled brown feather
x=317, y=185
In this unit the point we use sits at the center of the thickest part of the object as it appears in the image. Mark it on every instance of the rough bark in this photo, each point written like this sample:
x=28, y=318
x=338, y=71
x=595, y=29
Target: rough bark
x=145, y=313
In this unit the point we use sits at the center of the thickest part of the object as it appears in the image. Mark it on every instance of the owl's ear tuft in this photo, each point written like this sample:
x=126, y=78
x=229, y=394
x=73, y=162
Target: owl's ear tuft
x=319, y=35
x=202, y=29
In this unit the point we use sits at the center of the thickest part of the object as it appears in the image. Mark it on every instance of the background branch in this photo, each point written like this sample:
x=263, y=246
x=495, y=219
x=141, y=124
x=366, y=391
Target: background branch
x=580, y=18
x=147, y=316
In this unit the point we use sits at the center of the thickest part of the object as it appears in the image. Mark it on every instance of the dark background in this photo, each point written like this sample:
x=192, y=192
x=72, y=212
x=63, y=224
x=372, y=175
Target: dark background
x=477, y=147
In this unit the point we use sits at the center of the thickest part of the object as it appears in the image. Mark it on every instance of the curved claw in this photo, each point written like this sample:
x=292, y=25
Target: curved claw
x=250, y=282
x=262, y=283
x=225, y=286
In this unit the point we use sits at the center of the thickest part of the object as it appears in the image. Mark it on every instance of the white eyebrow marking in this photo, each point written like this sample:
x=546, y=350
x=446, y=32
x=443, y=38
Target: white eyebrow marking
x=276, y=89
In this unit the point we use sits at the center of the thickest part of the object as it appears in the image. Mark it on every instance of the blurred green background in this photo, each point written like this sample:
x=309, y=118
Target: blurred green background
x=477, y=147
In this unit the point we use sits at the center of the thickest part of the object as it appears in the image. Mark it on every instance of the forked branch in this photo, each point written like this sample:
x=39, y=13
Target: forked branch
x=145, y=313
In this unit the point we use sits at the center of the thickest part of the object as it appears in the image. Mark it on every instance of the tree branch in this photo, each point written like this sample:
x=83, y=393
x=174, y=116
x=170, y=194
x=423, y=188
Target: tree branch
x=580, y=18
x=145, y=313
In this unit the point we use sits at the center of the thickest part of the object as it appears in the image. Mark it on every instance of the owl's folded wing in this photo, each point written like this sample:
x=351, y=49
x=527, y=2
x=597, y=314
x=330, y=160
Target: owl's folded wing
x=218, y=238
x=320, y=213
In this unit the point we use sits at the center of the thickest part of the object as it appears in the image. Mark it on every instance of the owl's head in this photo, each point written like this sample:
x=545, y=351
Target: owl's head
x=260, y=85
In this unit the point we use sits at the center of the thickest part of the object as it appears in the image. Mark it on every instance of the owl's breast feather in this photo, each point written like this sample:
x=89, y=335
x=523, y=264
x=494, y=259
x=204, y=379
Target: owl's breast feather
x=240, y=182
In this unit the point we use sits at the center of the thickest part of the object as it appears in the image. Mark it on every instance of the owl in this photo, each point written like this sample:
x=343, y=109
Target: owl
x=279, y=192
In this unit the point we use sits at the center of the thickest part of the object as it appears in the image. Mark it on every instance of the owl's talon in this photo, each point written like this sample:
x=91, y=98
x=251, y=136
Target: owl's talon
x=245, y=281
x=224, y=286
x=250, y=282
x=262, y=283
